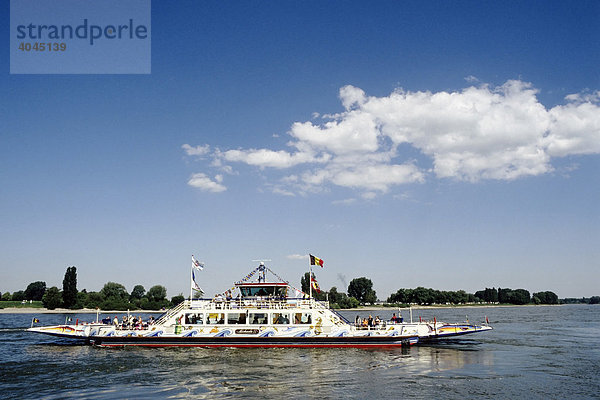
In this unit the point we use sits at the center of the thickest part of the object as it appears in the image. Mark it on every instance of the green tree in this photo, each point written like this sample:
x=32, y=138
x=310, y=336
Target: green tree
x=520, y=296
x=305, y=282
x=81, y=299
x=115, y=297
x=155, y=299
x=70, y=287
x=545, y=298
x=347, y=302
x=157, y=293
x=113, y=290
x=421, y=295
x=362, y=290
x=19, y=295
x=6, y=296
x=504, y=295
x=52, y=298
x=137, y=293
x=334, y=296
x=94, y=300
x=402, y=296
x=35, y=291
x=175, y=300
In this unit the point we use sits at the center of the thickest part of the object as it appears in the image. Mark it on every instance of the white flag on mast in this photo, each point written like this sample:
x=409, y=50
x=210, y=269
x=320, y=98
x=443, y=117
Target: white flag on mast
x=194, y=284
x=197, y=264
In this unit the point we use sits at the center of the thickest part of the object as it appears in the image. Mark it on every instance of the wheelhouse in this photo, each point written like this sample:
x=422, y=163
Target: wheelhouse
x=263, y=289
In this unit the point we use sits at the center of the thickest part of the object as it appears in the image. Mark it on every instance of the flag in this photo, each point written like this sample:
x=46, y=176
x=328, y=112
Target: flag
x=315, y=285
x=35, y=320
x=315, y=260
x=197, y=264
x=194, y=284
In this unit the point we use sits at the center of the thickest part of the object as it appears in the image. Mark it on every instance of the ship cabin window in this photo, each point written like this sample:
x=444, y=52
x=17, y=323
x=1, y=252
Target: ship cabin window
x=258, y=318
x=264, y=291
x=215, y=318
x=236, y=318
x=302, y=318
x=194, y=319
x=281, y=318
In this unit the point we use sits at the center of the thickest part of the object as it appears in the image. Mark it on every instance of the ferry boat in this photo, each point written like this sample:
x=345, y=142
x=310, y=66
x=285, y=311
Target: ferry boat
x=263, y=314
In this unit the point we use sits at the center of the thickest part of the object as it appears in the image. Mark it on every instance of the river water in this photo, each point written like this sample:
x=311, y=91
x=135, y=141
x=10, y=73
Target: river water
x=533, y=352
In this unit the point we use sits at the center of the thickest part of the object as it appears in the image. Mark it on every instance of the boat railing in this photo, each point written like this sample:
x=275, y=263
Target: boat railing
x=252, y=303
x=171, y=312
x=256, y=303
x=340, y=316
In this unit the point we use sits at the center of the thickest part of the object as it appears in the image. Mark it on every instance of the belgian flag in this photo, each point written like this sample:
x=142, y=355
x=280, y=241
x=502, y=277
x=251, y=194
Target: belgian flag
x=315, y=285
x=315, y=260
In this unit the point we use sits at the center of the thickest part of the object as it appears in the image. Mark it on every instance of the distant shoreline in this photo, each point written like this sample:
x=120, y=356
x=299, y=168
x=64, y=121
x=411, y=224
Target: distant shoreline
x=29, y=310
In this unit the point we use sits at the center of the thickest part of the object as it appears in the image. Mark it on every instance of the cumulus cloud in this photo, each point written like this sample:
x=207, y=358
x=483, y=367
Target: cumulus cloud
x=196, y=151
x=204, y=183
x=268, y=158
x=480, y=132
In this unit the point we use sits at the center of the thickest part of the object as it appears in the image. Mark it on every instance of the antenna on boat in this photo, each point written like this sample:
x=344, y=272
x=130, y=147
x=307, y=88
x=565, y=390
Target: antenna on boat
x=261, y=270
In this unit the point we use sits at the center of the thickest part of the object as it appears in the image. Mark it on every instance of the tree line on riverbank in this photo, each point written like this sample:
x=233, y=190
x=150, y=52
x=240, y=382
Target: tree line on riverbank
x=427, y=296
x=360, y=291
x=114, y=296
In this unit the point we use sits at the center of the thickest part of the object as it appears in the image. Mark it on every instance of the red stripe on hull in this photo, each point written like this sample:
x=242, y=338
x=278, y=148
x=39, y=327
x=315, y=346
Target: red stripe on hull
x=357, y=345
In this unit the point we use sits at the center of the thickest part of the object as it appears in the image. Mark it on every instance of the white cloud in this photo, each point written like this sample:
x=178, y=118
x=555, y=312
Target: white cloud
x=352, y=96
x=196, y=151
x=283, y=192
x=297, y=256
x=345, y=202
x=481, y=132
x=268, y=158
x=575, y=129
x=204, y=183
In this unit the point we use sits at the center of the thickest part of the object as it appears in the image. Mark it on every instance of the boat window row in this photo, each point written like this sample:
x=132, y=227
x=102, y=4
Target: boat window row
x=247, y=318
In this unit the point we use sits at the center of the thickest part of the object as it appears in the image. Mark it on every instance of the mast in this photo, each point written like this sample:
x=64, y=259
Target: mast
x=309, y=279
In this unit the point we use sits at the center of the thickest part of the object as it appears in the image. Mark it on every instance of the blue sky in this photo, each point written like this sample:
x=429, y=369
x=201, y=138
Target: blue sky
x=446, y=145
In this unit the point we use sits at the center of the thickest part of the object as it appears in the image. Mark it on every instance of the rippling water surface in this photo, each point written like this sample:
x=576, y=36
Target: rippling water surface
x=536, y=352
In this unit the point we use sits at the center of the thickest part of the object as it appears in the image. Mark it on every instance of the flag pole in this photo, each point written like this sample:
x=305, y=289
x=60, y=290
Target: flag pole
x=310, y=280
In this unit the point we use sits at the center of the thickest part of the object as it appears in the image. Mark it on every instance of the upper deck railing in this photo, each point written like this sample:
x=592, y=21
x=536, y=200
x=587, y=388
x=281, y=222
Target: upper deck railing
x=262, y=303
x=240, y=304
